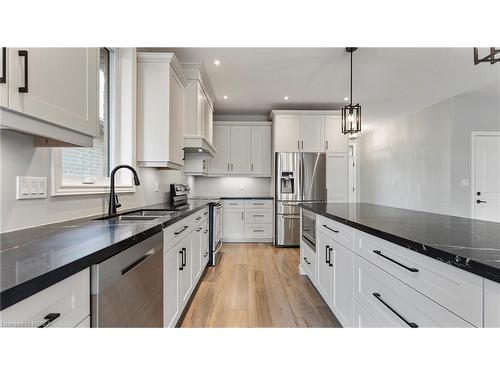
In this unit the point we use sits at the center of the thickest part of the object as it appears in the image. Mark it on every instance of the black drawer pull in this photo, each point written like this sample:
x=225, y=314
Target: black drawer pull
x=198, y=218
x=24, y=53
x=3, y=78
x=305, y=260
x=411, y=269
x=333, y=230
x=258, y=215
x=49, y=318
x=410, y=324
x=258, y=230
x=182, y=230
x=198, y=230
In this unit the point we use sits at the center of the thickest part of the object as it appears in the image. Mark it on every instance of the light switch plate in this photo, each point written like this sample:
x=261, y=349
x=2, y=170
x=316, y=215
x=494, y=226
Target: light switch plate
x=31, y=187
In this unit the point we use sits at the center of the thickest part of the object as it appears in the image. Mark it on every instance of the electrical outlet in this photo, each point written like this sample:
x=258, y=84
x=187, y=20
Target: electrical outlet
x=242, y=187
x=31, y=187
x=157, y=186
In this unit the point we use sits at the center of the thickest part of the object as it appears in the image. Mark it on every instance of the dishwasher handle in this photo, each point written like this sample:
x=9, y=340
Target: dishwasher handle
x=146, y=256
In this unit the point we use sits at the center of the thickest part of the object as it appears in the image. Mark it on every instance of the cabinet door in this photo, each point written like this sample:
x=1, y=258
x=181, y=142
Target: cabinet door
x=337, y=181
x=196, y=257
x=491, y=304
x=335, y=141
x=261, y=150
x=324, y=277
x=4, y=92
x=220, y=164
x=240, y=150
x=176, y=120
x=342, y=284
x=287, y=133
x=312, y=133
x=204, y=247
x=233, y=224
x=62, y=86
x=185, y=278
x=171, y=263
x=207, y=120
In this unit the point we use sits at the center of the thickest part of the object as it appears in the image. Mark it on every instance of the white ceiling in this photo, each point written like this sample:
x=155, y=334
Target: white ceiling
x=388, y=82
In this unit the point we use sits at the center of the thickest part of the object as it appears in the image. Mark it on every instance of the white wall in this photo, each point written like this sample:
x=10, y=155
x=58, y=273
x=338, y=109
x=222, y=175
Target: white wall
x=419, y=161
x=230, y=186
x=20, y=158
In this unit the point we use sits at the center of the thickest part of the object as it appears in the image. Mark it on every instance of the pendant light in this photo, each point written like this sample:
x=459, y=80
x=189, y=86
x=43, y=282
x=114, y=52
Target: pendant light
x=351, y=114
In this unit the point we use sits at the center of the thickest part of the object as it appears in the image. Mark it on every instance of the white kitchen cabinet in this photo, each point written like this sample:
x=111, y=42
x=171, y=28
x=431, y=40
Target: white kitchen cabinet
x=491, y=303
x=287, y=133
x=247, y=220
x=161, y=110
x=324, y=276
x=220, y=164
x=312, y=133
x=342, y=284
x=4, y=91
x=240, y=150
x=261, y=153
x=207, y=121
x=233, y=224
x=186, y=271
x=197, y=251
x=172, y=261
x=337, y=177
x=335, y=141
x=51, y=93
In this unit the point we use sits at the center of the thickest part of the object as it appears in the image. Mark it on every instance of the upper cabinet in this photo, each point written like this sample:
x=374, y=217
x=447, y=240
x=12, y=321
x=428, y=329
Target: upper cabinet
x=242, y=149
x=198, y=133
x=51, y=93
x=308, y=131
x=161, y=84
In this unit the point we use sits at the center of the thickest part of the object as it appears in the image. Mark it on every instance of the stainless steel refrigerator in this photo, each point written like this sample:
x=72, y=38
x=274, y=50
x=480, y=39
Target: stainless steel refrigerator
x=299, y=177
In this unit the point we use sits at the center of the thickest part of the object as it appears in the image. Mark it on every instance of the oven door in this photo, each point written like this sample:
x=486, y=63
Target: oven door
x=309, y=228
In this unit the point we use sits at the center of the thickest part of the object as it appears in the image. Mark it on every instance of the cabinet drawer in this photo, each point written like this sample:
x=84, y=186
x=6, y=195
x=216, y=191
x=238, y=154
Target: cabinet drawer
x=308, y=261
x=233, y=203
x=176, y=232
x=341, y=233
x=70, y=298
x=258, y=230
x=459, y=291
x=259, y=216
x=259, y=203
x=197, y=218
x=392, y=303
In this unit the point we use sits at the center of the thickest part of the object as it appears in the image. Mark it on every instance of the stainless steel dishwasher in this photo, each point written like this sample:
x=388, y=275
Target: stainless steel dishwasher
x=127, y=289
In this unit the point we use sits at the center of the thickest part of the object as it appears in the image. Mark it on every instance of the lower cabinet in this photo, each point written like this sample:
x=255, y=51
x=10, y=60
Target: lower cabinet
x=186, y=270
x=172, y=260
x=248, y=220
x=233, y=223
x=491, y=303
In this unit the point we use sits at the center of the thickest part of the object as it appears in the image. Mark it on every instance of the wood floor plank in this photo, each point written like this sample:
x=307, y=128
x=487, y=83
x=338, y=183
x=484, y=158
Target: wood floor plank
x=257, y=285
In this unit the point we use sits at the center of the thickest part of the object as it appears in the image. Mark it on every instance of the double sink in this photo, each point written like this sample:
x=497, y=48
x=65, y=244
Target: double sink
x=140, y=215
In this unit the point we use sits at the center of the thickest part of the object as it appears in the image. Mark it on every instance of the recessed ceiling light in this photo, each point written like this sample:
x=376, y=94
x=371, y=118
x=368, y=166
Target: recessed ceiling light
x=346, y=98
x=217, y=62
x=225, y=97
x=286, y=98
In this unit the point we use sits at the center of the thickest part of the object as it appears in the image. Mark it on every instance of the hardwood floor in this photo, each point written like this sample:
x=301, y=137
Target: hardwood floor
x=257, y=285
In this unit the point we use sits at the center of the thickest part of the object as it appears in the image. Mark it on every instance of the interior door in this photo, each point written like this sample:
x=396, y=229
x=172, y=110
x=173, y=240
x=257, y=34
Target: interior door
x=4, y=92
x=312, y=133
x=240, y=150
x=487, y=178
x=261, y=150
x=287, y=133
x=220, y=163
x=61, y=87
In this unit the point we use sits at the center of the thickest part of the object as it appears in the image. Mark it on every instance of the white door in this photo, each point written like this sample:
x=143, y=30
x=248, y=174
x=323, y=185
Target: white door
x=324, y=278
x=221, y=163
x=342, y=284
x=240, y=150
x=312, y=131
x=337, y=177
x=335, y=141
x=287, y=133
x=486, y=195
x=196, y=256
x=261, y=150
x=185, y=271
x=233, y=224
x=4, y=92
x=171, y=264
x=61, y=87
x=176, y=119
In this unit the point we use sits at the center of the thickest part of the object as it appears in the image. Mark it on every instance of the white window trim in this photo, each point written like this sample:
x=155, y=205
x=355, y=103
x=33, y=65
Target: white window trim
x=122, y=130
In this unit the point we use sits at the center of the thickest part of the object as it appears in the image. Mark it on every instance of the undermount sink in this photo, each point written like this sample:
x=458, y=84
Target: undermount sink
x=140, y=215
x=156, y=213
x=137, y=218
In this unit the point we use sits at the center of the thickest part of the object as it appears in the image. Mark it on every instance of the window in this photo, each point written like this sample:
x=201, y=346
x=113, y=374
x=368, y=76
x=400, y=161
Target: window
x=86, y=170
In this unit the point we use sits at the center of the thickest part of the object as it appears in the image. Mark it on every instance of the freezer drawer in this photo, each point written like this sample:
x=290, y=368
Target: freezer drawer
x=287, y=230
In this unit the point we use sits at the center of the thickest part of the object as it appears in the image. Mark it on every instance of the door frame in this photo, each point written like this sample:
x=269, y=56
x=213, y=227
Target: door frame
x=474, y=136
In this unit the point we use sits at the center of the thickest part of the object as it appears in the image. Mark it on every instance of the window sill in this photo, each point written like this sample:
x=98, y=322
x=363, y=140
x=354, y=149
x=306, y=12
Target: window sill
x=89, y=190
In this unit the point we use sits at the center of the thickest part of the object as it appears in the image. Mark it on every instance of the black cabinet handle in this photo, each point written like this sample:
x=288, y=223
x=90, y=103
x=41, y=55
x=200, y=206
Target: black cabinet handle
x=182, y=230
x=327, y=252
x=411, y=269
x=480, y=201
x=198, y=230
x=182, y=260
x=330, y=256
x=305, y=260
x=3, y=78
x=49, y=318
x=184, y=257
x=333, y=230
x=410, y=324
x=24, y=53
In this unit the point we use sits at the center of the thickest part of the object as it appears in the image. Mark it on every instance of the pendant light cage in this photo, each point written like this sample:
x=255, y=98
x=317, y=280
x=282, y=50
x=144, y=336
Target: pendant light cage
x=351, y=113
x=493, y=57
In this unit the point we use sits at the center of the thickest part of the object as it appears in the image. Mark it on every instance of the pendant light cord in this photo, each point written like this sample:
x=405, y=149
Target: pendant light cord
x=351, y=80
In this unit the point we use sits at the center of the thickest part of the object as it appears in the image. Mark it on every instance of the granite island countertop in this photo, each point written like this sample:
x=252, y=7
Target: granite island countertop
x=472, y=245
x=35, y=258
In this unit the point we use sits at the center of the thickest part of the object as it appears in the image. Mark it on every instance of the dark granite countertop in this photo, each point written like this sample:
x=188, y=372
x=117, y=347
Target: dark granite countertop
x=248, y=198
x=472, y=245
x=35, y=258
